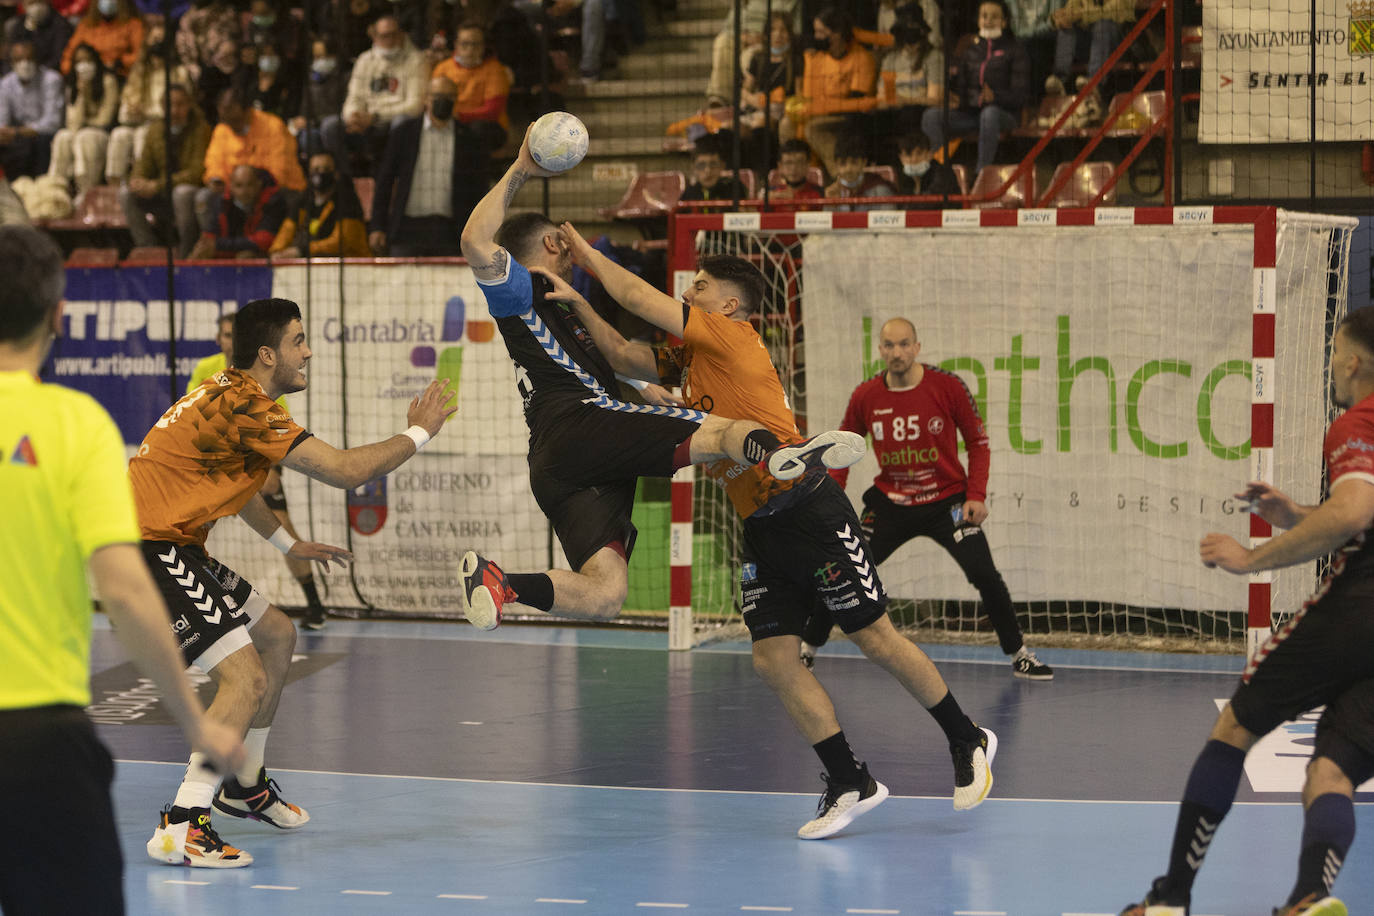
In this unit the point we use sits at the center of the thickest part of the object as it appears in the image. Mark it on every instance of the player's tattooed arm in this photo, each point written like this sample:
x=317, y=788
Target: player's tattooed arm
x=513, y=185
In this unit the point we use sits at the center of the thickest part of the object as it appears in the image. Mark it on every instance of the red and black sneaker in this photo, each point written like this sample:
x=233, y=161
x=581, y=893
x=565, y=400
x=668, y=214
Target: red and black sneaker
x=484, y=592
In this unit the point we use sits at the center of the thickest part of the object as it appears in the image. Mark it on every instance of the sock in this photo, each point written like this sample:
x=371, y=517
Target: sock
x=1328, y=829
x=533, y=589
x=255, y=744
x=1211, y=788
x=838, y=759
x=198, y=785
x=951, y=719
x=758, y=444
x=312, y=597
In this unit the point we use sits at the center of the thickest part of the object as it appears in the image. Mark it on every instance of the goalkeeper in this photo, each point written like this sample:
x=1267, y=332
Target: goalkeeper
x=272, y=492
x=801, y=540
x=915, y=413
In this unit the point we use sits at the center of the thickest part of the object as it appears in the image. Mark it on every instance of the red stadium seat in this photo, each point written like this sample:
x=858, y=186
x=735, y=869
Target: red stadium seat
x=961, y=176
x=1083, y=186
x=93, y=257
x=97, y=208
x=147, y=255
x=992, y=177
x=650, y=195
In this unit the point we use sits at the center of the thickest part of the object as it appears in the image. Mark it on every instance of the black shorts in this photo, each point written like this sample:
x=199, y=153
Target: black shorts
x=810, y=554
x=211, y=606
x=583, y=471
x=1322, y=657
x=55, y=777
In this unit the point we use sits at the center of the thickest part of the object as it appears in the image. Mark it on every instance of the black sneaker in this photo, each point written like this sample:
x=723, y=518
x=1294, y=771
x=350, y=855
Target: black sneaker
x=973, y=769
x=833, y=449
x=259, y=802
x=315, y=617
x=1025, y=665
x=840, y=804
x=1154, y=903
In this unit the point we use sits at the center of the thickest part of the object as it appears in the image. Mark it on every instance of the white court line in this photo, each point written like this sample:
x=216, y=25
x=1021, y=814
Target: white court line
x=768, y=909
x=883, y=912
x=980, y=913
x=368, y=893
x=556, y=900
x=669, y=906
x=272, y=887
x=462, y=897
x=188, y=883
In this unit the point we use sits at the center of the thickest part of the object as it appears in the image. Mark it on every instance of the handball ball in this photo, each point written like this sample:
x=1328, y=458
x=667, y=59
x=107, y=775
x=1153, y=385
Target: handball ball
x=558, y=141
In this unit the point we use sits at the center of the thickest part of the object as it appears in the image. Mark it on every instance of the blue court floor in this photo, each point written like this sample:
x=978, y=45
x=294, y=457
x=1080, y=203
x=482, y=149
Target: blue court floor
x=571, y=771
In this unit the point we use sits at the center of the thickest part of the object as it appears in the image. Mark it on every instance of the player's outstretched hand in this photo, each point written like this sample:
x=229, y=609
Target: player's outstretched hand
x=526, y=161
x=430, y=408
x=581, y=250
x=1271, y=504
x=1224, y=551
x=660, y=396
x=323, y=554
x=561, y=292
x=220, y=744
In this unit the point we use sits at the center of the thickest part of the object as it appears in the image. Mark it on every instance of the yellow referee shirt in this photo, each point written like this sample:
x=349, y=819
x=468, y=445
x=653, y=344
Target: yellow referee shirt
x=65, y=494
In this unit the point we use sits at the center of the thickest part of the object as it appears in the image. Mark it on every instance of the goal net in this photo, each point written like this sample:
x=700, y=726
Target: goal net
x=1135, y=367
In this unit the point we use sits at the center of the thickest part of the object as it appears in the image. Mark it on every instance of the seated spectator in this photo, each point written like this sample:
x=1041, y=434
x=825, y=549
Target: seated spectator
x=246, y=136
x=48, y=32
x=329, y=223
x=592, y=15
x=358, y=17
x=275, y=90
x=30, y=113
x=78, y=149
x=431, y=176
x=387, y=86
x=1095, y=23
x=483, y=86
x=921, y=174
x=269, y=24
x=851, y=159
x=223, y=71
x=144, y=196
x=991, y=82
x=792, y=183
x=913, y=79
x=245, y=220
x=889, y=11
x=720, y=87
x=839, y=81
x=114, y=29
x=204, y=28
x=710, y=181
x=771, y=76
x=324, y=90
x=141, y=103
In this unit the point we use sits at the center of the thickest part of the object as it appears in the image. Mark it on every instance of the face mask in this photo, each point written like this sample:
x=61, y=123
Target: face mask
x=322, y=181
x=441, y=108
x=916, y=169
x=269, y=64
x=778, y=50
x=35, y=13
x=265, y=21
x=240, y=204
x=469, y=61
x=990, y=34
x=26, y=69
x=389, y=54
x=85, y=70
x=108, y=8
x=324, y=65
x=852, y=184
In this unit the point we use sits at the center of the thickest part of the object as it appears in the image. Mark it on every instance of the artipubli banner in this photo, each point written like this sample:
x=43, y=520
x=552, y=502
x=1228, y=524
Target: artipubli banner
x=1258, y=77
x=116, y=329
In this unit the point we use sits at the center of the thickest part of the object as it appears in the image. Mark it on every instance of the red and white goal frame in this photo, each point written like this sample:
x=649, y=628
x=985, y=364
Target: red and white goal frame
x=685, y=228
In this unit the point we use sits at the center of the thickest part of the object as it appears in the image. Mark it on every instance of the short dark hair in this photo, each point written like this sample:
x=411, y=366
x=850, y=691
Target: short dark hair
x=851, y=146
x=837, y=19
x=913, y=140
x=795, y=145
x=738, y=272
x=521, y=234
x=1359, y=327
x=261, y=323
x=32, y=263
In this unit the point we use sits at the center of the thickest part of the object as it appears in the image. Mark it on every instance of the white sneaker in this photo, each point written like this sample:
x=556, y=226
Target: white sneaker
x=184, y=837
x=840, y=804
x=808, y=655
x=973, y=770
x=833, y=449
x=260, y=802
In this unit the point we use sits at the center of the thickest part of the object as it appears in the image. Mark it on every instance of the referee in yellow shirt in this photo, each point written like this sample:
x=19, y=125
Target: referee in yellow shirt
x=66, y=512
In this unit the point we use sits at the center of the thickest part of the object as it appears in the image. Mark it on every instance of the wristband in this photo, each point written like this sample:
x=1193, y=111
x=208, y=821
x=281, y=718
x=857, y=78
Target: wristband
x=281, y=540
x=417, y=434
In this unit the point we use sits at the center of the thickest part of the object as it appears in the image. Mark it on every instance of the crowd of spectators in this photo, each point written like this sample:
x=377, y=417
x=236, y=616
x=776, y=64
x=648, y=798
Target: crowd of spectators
x=236, y=128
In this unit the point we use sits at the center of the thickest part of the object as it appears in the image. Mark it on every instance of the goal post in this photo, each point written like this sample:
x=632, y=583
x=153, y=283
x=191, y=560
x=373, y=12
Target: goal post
x=1135, y=366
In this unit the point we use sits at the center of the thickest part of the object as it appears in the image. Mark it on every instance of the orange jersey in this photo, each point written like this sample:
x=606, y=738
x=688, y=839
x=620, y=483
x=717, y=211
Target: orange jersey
x=725, y=370
x=207, y=456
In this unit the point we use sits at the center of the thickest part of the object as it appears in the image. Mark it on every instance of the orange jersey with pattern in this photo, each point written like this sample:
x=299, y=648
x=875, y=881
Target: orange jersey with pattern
x=724, y=369
x=207, y=456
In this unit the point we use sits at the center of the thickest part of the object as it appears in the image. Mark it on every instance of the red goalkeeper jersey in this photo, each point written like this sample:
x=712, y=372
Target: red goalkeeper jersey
x=915, y=437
